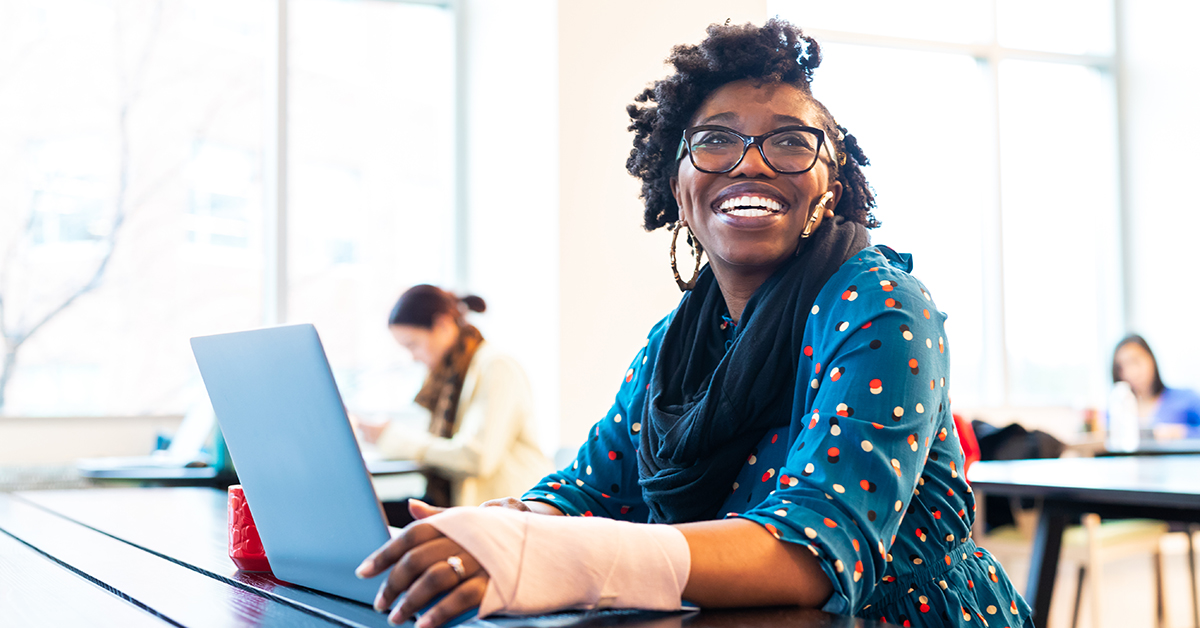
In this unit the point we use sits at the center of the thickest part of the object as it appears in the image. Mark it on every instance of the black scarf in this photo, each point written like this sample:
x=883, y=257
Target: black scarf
x=707, y=407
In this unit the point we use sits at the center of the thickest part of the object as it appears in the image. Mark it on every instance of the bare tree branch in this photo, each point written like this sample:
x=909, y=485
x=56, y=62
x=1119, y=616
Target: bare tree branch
x=130, y=91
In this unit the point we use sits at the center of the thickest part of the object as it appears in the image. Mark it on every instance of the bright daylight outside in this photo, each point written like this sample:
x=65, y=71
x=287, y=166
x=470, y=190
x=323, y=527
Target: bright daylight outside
x=131, y=174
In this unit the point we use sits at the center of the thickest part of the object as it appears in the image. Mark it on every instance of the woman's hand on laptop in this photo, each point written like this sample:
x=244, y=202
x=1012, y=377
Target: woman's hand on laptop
x=427, y=564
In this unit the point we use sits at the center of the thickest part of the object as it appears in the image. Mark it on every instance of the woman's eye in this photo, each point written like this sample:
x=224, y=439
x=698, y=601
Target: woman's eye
x=714, y=138
x=794, y=140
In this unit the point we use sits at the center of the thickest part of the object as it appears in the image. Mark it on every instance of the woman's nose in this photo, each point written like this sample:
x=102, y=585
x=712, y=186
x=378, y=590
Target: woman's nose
x=754, y=164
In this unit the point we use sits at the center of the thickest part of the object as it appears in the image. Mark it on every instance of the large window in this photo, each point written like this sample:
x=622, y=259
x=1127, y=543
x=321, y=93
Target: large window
x=132, y=199
x=371, y=181
x=992, y=131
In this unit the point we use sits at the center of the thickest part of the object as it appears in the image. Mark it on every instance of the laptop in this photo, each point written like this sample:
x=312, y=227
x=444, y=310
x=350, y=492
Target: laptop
x=185, y=458
x=296, y=456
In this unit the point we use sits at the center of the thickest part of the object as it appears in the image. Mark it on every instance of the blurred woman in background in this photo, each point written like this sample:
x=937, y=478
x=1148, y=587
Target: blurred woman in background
x=482, y=442
x=1173, y=412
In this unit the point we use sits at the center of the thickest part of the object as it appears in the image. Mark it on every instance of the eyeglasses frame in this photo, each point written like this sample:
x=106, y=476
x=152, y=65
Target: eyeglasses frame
x=752, y=140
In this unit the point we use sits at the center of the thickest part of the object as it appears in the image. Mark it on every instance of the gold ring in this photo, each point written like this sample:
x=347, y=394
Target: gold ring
x=456, y=565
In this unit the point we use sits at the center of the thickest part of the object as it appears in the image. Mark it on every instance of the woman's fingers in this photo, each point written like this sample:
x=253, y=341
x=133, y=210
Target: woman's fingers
x=512, y=503
x=506, y=502
x=424, y=573
x=413, y=535
x=463, y=598
x=411, y=566
x=429, y=575
x=420, y=510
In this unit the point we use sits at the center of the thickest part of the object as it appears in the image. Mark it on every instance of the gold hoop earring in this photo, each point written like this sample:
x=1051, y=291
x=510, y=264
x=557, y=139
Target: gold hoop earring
x=812, y=220
x=697, y=251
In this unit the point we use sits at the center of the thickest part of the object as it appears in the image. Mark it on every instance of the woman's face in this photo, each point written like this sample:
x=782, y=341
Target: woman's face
x=427, y=346
x=752, y=243
x=1134, y=365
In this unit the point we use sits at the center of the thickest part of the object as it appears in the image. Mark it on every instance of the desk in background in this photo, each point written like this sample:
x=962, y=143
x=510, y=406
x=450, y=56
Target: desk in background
x=1147, y=446
x=158, y=557
x=1183, y=447
x=1142, y=487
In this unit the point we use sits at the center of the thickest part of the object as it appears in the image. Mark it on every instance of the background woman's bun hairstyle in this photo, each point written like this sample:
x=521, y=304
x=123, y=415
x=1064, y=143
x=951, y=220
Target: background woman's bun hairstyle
x=474, y=303
x=419, y=305
x=776, y=52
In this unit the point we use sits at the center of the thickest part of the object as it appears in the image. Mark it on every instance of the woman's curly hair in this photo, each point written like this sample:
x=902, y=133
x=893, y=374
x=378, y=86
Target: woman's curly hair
x=777, y=52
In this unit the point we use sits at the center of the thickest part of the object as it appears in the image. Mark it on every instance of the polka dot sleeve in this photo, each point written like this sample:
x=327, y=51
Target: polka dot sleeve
x=603, y=478
x=876, y=365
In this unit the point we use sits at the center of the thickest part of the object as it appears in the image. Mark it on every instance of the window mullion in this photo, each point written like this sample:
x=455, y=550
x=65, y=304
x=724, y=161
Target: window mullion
x=996, y=381
x=996, y=385
x=1125, y=224
x=275, y=166
x=462, y=239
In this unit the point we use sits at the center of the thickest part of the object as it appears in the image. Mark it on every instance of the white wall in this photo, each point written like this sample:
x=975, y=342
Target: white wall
x=1162, y=94
x=512, y=124
x=615, y=279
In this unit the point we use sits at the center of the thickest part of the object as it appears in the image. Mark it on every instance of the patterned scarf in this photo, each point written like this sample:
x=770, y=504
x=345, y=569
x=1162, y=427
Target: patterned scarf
x=708, y=407
x=440, y=395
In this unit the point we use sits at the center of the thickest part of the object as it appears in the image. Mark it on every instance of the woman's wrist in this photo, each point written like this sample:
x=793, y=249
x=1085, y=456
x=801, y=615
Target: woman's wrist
x=542, y=508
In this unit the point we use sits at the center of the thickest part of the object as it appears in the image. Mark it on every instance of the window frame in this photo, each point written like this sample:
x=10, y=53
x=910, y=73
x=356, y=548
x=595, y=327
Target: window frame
x=275, y=152
x=996, y=375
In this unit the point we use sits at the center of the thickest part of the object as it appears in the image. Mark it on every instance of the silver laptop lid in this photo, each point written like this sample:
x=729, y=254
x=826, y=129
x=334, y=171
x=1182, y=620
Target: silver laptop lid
x=296, y=456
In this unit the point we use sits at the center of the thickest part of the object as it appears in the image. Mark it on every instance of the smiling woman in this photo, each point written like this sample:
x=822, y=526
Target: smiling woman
x=785, y=435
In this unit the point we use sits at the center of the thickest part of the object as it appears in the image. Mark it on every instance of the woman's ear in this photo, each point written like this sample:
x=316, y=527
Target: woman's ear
x=678, y=204
x=444, y=324
x=835, y=186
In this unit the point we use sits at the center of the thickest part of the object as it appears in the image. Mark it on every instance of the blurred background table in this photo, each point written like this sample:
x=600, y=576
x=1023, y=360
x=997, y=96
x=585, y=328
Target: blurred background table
x=1144, y=487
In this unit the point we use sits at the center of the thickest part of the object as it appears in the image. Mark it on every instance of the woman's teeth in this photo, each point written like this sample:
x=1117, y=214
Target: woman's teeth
x=750, y=206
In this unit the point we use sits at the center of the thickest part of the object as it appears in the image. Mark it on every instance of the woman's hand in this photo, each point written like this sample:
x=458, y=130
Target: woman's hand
x=1170, y=431
x=420, y=510
x=368, y=431
x=425, y=567
x=515, y=504
x=371, y=431
x=427, y=564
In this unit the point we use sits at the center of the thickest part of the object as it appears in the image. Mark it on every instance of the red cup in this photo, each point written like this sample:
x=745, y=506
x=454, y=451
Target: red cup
x=245, y=548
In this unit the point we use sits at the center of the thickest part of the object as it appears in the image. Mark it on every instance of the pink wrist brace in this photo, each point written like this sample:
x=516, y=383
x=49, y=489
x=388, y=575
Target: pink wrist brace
x=543, y=563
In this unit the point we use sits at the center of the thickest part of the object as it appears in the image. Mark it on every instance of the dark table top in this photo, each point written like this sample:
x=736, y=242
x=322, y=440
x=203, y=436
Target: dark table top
x=159, y=557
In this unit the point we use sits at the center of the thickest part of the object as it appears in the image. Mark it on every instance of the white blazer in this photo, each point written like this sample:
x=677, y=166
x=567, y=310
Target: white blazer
x=493, y=452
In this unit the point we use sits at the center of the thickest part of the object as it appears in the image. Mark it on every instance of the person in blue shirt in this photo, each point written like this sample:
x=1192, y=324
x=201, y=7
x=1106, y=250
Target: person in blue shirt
x=791, y=418
x=1172, y=412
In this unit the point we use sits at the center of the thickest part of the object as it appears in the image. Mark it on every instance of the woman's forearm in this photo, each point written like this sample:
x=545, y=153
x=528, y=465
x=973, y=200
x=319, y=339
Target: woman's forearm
x=736, y=562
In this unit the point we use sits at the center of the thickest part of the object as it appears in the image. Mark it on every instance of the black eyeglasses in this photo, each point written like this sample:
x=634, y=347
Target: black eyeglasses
x=718, y=149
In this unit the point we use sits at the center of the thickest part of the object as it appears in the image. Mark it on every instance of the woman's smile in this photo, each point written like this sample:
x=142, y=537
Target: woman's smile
x=750, y=206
